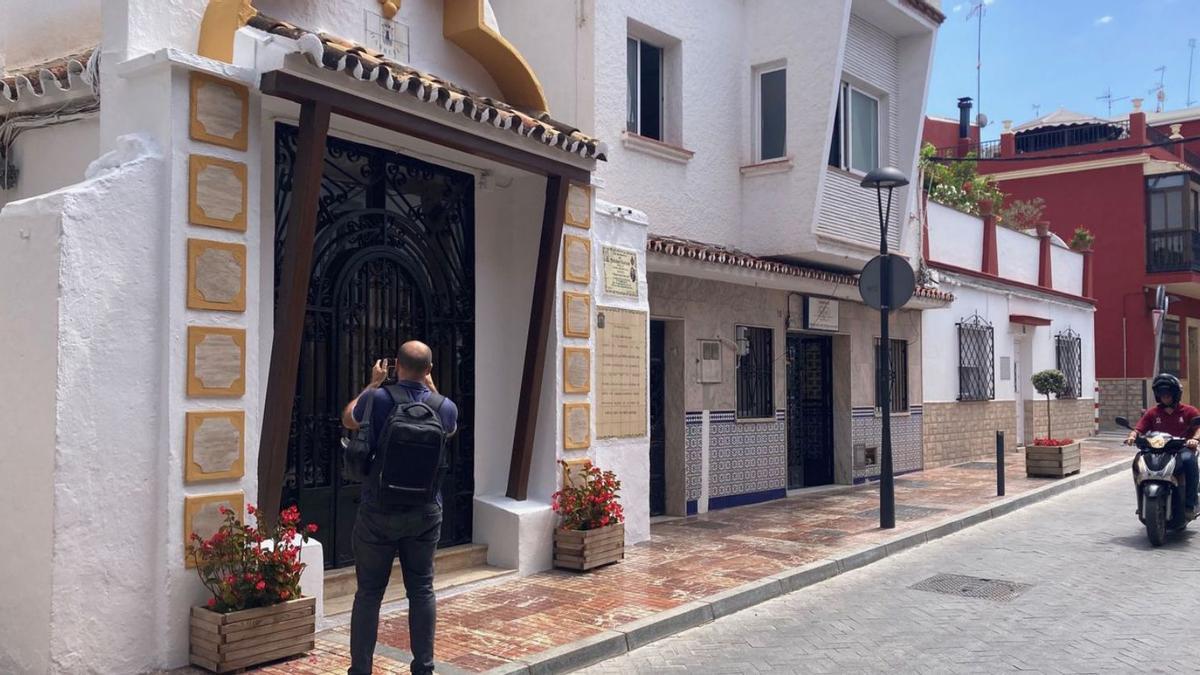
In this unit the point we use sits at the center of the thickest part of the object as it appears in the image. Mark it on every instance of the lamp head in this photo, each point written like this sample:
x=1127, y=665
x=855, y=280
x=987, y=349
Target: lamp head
x=884, y=177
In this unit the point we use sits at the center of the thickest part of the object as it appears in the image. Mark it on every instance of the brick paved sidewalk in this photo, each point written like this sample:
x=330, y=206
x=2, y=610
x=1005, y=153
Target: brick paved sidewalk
x=686, y=560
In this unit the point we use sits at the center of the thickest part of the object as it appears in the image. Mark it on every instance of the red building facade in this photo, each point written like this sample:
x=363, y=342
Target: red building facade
x=1137, y=189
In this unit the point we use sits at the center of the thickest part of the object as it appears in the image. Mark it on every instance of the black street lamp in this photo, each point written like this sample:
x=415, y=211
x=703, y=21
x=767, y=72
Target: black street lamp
x=885, y=178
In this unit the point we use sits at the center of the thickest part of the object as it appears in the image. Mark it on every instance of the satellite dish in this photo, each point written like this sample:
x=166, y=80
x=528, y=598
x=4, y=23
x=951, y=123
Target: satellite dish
x=981, y=120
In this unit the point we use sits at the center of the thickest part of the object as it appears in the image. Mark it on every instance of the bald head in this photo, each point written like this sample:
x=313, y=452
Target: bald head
x=414, y=361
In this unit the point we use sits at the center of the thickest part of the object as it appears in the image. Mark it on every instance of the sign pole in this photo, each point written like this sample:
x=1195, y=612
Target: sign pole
x=887, y=488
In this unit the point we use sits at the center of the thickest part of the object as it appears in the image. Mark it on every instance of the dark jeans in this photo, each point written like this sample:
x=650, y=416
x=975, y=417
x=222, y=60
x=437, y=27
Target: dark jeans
x=378, y=537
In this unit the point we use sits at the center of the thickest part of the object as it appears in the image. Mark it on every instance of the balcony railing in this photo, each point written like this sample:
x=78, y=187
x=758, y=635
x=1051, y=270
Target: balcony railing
x=1173, y=251
x=984, y=150
x=1062, y=137
x=1155, y=136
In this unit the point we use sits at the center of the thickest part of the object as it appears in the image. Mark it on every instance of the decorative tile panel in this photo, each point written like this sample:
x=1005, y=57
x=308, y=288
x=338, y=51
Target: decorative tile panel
x=202, y=515
x=217, y=193
x=216, y=275
x=744, y=457
x=219, y=111
x=215, y=446
x=907, y=451
x=216, y=361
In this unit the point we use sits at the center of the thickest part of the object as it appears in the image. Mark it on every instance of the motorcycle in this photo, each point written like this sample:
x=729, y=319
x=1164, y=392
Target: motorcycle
x=1158, y=477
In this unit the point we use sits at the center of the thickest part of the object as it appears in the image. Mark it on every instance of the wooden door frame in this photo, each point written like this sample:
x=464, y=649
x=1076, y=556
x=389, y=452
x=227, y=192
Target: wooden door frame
x=318, y=102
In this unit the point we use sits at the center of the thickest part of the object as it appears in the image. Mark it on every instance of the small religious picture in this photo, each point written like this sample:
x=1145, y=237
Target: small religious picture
x=577, y=425
x=620, y=272
x=577, y=259
x=579, y=205
x=577, y=370
x=577, y=315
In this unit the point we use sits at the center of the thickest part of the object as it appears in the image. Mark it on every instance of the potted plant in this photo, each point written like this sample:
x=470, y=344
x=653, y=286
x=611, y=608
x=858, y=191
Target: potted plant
x=256, y=613
x=1082, y=240
x=1049, y=456
x=592, y=532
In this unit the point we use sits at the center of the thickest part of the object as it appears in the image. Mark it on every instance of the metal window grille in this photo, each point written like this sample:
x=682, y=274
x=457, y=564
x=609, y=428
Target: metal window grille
x=976, y=360
x=897, y=378
x=755, y=376
x=1068, y=348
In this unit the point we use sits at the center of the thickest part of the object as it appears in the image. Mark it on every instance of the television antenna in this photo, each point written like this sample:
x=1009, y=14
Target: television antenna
x=1191, y=60
x=1160, y=94
x=1037, y=108
x=978, y=9
x=1110, y=99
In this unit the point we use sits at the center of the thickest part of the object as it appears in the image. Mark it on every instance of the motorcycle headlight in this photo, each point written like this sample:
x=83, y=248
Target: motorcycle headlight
x=1157, y=441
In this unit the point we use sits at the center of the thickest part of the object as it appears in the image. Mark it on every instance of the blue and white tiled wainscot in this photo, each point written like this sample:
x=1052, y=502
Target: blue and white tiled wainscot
x=866, y=428
x=747, y=460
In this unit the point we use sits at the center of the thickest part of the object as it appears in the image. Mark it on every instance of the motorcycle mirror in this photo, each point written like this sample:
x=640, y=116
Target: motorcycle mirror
x=1122, y=422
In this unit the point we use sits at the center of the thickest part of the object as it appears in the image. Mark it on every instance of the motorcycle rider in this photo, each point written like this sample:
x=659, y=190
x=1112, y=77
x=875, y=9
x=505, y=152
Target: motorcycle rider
x=1173, y=417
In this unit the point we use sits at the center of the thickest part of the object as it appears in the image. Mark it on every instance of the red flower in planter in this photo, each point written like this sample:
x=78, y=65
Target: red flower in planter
x=589, y=502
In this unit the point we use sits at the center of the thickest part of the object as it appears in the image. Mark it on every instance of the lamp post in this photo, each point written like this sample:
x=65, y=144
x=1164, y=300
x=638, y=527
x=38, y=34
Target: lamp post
x=885, y=178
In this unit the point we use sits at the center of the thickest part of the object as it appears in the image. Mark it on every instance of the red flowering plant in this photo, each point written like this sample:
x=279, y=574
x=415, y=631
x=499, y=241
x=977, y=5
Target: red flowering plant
x=1052, y=442
x=590, y=501
x=243, y=568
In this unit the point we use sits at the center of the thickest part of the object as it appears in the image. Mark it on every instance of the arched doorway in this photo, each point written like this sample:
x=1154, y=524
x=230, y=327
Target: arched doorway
x=393, y=260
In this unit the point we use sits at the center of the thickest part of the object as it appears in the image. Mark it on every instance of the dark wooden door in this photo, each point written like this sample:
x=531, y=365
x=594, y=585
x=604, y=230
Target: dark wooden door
x=393, y=260
x=658, y=425
x=810, y=410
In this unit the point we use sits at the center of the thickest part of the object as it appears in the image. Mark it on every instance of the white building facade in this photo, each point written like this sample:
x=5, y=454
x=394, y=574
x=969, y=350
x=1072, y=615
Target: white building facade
x=1021, y=305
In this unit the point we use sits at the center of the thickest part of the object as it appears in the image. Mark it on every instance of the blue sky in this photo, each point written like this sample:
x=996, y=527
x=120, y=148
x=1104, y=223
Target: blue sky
x=1064, y=53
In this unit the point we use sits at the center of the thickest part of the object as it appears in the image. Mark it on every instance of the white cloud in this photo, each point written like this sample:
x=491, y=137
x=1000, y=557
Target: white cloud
x=958, y=7
x=988, y=2
x=1104, y=19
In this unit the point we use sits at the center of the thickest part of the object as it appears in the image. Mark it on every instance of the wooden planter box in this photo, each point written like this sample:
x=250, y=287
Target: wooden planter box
x=1052, y=462
x=225, y=642
x=585, y=549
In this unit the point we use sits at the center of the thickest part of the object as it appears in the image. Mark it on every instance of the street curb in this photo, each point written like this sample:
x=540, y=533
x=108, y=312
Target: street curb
x=630, y=636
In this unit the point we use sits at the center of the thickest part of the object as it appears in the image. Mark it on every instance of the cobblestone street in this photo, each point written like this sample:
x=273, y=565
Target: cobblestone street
x=1099, y=599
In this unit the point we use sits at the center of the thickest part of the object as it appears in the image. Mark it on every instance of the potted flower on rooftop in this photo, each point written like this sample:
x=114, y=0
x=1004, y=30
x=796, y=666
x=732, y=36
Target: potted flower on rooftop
x=1082, y=240
x=592, y=532
x=255, y=613
x=1049, y=456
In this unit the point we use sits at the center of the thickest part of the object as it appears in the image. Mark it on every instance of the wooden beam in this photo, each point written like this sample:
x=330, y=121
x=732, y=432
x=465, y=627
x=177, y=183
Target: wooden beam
x=363, y=109
x=541, y=314
x=289, y=315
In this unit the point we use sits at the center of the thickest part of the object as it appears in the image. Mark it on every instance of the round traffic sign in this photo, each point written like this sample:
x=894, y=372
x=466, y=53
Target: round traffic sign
x=900, y=273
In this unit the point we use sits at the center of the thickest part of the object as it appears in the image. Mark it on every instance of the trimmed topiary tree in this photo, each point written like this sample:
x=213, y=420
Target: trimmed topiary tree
x=1049, y=382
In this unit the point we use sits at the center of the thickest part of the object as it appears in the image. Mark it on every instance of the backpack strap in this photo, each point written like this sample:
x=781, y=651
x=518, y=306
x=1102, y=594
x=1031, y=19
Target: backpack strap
x=435, y=401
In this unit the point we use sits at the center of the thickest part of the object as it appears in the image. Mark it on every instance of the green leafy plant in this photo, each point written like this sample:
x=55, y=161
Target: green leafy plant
x=957, y=184
x=1083, y=239
x=1022, y=214
x=589, y=502
x=1049, y=382
x=242, y=569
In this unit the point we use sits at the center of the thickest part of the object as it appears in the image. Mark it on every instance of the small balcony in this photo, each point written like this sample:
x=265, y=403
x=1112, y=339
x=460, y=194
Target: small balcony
x=1173, y=251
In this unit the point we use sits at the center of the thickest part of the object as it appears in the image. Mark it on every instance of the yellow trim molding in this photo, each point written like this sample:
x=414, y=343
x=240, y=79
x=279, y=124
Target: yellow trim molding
x=463, y=24
x=222, y=19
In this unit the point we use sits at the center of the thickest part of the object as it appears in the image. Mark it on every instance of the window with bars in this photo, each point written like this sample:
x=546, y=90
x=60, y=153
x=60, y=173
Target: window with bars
x=976, y=361
x=1068, y=349
x=755, y=374
x=898, y=377
x=1169, y=358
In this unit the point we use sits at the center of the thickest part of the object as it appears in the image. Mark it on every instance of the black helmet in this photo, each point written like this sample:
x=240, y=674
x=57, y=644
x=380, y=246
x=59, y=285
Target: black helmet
x=1166, y=383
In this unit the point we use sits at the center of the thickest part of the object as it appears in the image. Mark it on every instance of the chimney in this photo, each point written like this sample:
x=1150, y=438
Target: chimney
x=964, y=117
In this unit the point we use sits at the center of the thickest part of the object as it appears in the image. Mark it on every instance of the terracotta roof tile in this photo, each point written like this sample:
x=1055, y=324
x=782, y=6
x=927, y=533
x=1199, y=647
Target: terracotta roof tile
x=341, y=55
x=684, y=248
x=59, y=75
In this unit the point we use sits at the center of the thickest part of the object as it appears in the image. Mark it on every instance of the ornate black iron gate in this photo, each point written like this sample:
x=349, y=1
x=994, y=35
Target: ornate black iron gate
x=810, y=410
x=393, y=260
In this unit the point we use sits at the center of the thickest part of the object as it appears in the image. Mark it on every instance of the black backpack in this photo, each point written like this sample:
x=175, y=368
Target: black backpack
x=411, y=457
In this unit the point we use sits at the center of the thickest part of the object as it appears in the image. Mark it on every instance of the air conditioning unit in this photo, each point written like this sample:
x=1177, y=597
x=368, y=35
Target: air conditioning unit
x=710, y=361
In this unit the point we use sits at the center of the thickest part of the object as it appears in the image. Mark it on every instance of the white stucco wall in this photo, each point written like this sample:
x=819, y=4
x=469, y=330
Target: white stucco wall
x=30, y=240
x=1067, y=269
x=34, y=32
x=956, y=238
x=995, y=303
x=1018, y=255
x=53, y=157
